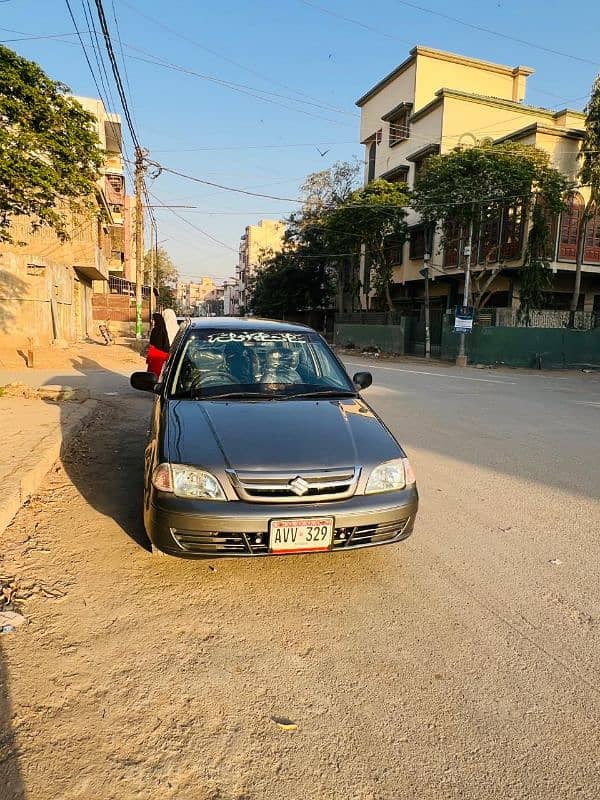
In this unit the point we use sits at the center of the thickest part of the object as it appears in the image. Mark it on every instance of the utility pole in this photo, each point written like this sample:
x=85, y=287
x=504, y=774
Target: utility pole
x=139, y=238
x=425, y=273
x=427, y=328
x=461, y=358
x=153, y=264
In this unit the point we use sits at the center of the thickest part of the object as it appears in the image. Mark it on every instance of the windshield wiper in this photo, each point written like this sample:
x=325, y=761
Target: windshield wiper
x=196, y=395
x=323, y=393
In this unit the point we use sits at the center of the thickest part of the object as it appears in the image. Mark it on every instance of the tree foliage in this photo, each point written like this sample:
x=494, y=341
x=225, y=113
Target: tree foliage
x=459, y=188
x=302, y=276
x=49, y=151
x=374, y=216
x=166, y=276
x=589, y=176
x=291, y=282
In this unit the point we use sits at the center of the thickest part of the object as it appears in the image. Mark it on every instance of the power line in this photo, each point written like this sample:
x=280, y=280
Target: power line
x=356, y=22
x=237, y=190
x=40, y=36
x=195, y=227
x=493, y=32
x=184, y=37
x=252, y=147
x=116, y=21
x=116, y=72
x=240, y=88
x=79, y=36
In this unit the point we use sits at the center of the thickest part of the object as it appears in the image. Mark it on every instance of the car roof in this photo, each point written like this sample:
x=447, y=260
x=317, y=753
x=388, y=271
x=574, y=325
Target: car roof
x=247, y=324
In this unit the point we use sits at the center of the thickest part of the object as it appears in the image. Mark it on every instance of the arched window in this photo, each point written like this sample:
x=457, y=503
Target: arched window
x=372, y=155
x=591, y=254
x=569, y=227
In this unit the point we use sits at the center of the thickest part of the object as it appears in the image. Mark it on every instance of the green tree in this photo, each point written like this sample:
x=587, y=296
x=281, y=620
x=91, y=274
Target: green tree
x=462, y=189
x=589, y=175
x=49, y=151
x=290, y=281
x=375, y=217
x=302, y=276
x=166, y=276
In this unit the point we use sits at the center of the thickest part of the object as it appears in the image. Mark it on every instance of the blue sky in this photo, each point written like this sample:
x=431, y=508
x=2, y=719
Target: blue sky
x=298, y=52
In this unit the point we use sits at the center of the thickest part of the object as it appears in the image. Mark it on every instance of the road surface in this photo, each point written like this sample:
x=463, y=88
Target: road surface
x=461, y=664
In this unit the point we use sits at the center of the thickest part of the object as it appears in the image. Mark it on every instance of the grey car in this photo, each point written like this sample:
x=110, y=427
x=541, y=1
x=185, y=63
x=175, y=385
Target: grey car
x=261, y=444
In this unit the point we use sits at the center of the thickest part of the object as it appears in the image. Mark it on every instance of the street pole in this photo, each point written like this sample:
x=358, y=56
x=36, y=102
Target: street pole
x=426, y=258
x=461, y=358
x=139, y=239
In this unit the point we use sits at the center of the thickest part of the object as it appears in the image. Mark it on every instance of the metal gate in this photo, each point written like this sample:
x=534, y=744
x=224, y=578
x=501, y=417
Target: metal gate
x=415, y=340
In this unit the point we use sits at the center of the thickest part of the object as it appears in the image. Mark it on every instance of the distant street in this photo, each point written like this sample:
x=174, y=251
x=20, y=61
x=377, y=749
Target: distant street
x=461, y=664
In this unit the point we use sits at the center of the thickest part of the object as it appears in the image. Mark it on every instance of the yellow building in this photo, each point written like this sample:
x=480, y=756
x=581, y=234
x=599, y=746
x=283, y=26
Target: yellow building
x=435, y=101
x=258, y=242
x=192, y=295
x=46, y=285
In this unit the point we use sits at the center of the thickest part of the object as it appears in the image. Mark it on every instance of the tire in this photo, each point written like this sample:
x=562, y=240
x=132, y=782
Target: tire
x=156, y=553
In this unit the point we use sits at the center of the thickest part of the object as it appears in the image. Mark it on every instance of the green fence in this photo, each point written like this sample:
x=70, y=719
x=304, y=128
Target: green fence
x=388, y=338
x=536, y=348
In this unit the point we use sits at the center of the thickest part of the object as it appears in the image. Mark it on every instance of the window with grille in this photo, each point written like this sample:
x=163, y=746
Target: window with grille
x=394, y=246
x=513, y=225
x=569, y=228
x=417, y=242
x=591, y=253
x=400, y=127
x=452, y=244
x=116, y=183
x=372, y=156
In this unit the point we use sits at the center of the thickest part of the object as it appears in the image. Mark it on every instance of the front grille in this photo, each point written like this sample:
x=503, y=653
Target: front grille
x=275, y=487
x=369, y=534
x=221, y=543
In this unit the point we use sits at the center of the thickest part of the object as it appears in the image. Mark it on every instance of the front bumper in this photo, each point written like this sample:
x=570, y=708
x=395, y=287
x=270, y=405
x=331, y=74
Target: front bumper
x=205, y=529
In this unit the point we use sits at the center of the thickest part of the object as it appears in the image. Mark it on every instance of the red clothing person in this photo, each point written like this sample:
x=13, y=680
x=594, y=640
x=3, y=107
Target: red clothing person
x=158, y=352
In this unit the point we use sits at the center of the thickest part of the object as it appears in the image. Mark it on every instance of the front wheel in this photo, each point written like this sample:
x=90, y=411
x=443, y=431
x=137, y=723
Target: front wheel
x=156, y=553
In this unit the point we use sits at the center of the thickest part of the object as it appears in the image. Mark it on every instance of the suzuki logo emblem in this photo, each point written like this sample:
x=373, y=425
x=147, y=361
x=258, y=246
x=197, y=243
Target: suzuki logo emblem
x=299, y=486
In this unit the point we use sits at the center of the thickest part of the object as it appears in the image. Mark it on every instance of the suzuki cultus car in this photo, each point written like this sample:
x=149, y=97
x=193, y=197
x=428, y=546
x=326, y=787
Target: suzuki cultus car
x=261, y=444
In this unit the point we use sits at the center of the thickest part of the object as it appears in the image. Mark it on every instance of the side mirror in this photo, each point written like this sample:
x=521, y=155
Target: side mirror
x=363, y=380
x=144, y=381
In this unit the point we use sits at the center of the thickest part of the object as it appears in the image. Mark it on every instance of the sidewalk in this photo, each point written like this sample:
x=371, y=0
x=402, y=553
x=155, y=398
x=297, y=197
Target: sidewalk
x=37, y=430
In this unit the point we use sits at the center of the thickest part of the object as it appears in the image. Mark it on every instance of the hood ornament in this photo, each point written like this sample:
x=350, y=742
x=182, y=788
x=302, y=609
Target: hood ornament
x=299, y=486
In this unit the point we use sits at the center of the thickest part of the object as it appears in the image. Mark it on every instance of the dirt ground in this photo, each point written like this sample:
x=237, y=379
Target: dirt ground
x=461, y=664
x=58, y=358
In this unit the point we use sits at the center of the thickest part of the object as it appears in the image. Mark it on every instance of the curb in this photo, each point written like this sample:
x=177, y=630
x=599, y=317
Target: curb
x=43, y=457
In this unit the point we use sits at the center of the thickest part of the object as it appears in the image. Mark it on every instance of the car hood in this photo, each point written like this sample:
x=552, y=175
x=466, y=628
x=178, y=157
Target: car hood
x=276, y=434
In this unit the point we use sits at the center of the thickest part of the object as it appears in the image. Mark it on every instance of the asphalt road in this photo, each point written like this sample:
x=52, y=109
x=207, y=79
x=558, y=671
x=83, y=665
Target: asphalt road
x=461, y=664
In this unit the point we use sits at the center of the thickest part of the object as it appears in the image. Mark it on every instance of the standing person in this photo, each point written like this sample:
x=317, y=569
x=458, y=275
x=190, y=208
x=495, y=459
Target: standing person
x=158, y=352
x=171, y=323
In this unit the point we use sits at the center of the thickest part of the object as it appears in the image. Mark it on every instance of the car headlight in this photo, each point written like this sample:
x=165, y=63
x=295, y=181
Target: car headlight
x=390, y=476
x=184, y=481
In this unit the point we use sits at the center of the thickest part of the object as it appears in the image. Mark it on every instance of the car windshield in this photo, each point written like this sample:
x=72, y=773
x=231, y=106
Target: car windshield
x=257, y=364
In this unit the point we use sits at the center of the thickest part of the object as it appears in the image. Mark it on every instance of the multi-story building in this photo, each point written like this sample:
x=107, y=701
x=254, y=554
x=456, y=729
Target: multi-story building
x=120, y=244
x=47, y=284
x=191, y=296
x=258, y=242
x=231, y=297
x=435, y=101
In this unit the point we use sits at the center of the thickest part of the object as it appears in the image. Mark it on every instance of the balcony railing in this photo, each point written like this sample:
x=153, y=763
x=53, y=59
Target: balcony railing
x=121, y=286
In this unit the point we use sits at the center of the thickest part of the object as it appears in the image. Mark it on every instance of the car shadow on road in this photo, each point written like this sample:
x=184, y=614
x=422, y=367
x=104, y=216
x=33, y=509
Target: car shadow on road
x=11, y=780
x=104, y=460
